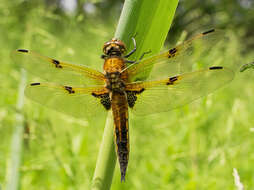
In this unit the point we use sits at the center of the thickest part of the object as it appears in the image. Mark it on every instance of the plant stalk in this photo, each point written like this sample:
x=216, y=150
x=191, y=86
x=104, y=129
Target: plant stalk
x=13, y=169
x=150, y=21
x=106, y=159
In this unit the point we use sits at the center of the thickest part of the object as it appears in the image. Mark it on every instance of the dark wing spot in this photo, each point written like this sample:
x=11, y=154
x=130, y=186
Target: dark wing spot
x=69, y=89
x=209, y=31
x=57, y=63
x=22, y=50
x=95, y=95
x=35, y=84
x=214, y=68
x=139, y=92
x=132, y=97
x=171, y=80
x=172, y=52
x=105, y=100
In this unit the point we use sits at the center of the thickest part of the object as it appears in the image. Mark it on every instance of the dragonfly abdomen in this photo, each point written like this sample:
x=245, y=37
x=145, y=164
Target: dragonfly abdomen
x=120, y=114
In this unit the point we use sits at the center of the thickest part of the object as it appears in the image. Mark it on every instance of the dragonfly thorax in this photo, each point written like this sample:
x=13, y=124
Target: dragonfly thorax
x=114, y=82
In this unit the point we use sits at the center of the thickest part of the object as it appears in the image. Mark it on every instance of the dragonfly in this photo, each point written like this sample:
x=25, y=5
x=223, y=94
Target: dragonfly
x=83, y=92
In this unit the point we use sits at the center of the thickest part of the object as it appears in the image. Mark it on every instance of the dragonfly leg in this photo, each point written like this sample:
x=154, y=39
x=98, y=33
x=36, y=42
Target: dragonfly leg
x=142, y=56
x=128, y=61
x=134, y=49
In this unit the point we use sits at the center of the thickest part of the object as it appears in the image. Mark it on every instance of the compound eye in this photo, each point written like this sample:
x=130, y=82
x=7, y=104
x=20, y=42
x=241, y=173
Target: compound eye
x=106, y=49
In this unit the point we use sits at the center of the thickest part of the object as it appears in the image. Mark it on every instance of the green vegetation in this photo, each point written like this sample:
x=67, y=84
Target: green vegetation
x=194, y=147
x=246, y=66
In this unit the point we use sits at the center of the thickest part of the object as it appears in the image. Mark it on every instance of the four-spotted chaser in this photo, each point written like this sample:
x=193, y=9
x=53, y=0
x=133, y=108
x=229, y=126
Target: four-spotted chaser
x=84, y=92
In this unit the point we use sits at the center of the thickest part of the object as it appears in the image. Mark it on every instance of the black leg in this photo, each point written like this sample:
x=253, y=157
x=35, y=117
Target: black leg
x=142, y=56
x=128, y=61
x=134, y=49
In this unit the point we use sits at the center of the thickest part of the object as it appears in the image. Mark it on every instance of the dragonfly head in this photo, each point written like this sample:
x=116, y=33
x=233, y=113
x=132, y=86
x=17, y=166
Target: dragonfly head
x=114, y=47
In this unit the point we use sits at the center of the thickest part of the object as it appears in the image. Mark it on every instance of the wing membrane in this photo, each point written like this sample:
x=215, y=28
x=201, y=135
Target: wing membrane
x=173, y=92
x=57, y=71
x=179, y=59
x=77, y=102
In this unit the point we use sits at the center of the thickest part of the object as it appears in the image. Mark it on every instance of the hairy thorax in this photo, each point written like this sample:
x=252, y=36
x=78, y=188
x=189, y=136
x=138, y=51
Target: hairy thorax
x=116, y=79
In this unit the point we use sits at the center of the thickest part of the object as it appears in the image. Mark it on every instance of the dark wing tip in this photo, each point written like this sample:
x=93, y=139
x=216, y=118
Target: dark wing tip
x=69, y=89
x=35, y=84
x=209, y=31
x=215, y=68
x=22, y=50
x=172, y=80
x=55, y=61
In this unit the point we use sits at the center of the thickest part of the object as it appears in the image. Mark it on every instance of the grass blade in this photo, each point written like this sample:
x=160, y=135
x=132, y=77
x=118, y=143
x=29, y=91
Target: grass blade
x=13, y=170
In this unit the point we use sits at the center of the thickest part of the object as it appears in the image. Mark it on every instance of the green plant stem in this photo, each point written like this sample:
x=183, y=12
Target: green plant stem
x=13, y=170
x=106, y=159
x=150, y=20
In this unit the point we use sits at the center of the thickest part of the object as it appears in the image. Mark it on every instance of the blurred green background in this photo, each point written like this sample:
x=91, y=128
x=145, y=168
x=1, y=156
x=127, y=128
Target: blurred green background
x=194, y=147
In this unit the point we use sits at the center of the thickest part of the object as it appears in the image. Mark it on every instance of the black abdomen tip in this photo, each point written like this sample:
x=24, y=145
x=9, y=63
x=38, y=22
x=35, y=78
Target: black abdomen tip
x=123, y=172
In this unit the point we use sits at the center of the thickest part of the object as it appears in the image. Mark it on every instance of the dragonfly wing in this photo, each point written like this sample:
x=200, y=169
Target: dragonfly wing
x=179, y=59
x=57, y=71
x=77, y=102
x=163, y=95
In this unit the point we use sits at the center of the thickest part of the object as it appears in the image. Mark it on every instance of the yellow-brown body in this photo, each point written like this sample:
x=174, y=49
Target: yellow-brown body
x=116, y=85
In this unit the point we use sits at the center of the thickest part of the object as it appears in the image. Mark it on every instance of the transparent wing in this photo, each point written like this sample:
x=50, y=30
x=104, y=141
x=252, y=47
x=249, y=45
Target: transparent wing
x=77, y=102
x=179, y=59
x=56, y=71
x=173, y=92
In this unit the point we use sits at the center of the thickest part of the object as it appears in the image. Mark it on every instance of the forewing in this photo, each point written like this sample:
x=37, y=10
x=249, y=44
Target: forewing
x=179, y=59
x=78, y=102
x=56, y=71
x=164, y=95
